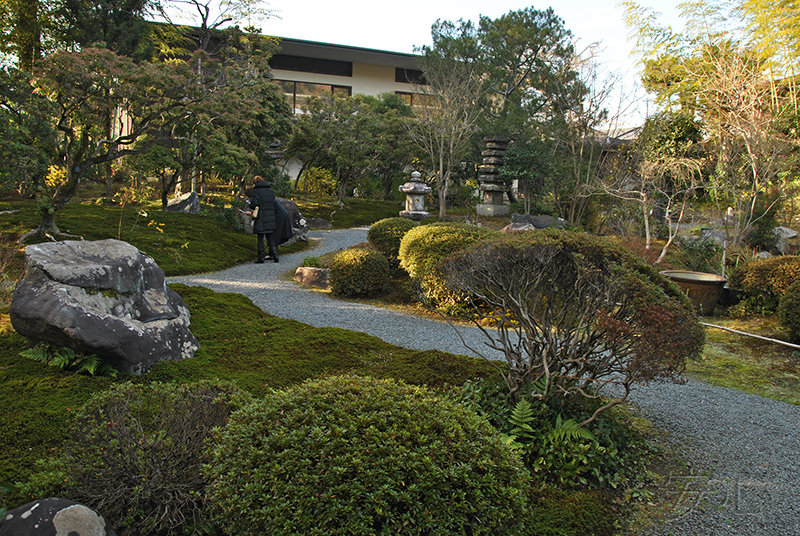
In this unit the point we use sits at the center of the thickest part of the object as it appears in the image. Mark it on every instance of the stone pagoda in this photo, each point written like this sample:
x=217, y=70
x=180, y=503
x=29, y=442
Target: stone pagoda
x=491, y=187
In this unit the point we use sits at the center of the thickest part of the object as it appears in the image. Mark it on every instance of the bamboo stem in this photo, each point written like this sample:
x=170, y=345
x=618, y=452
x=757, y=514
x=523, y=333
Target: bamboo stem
x=751, y=335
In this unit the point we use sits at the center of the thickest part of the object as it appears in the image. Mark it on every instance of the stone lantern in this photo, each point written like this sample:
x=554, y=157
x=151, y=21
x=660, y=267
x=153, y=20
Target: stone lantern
x=415, y=192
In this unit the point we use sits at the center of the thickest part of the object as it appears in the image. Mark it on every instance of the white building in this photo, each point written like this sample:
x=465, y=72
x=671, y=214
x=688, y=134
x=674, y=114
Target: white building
x=307, y=68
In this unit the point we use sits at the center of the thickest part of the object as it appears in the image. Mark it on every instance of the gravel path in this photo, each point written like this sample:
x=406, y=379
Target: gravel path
x=743, y=450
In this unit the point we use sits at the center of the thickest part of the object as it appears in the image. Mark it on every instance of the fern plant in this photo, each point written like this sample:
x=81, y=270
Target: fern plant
x=521, y=417
x=569, y=430
x=562, y=451
x=68, y=359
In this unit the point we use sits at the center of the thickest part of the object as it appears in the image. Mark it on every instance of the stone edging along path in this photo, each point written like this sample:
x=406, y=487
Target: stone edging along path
x=743, y=451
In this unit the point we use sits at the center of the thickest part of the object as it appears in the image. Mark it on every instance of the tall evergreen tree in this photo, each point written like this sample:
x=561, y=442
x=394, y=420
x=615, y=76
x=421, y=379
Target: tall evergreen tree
x=119, y=25
x=22, y=24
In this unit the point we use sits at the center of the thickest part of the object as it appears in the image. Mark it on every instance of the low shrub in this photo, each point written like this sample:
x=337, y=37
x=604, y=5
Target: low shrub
x=351, y=455
x=385, y=236
x=312, y=262
x=789, y=311
x=135, y=453
x=424, y=247
x=774, y=275
x=227, y=220
x=700, y=256
x=602, y=455
x=576, y=314
x=359, y=273
x=763, y=282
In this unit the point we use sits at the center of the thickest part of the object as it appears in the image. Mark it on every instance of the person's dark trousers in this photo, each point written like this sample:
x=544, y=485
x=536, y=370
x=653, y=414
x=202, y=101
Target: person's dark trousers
x=273, y=248
x=260, y=247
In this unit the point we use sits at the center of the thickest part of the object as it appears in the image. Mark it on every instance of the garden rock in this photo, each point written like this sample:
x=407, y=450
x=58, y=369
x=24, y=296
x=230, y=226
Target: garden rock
x=188, y=203
x=785, y=240
x=714, y=235
x=105, y=298
x=319, y=223
x=312, y=277
x=539, y=222
x=517, y=228
x=54, y=517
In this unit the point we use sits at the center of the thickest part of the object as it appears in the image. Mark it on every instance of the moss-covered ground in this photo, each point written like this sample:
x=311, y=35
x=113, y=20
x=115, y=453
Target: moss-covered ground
x=239, y=341
x=749, y=364
x=260, y=352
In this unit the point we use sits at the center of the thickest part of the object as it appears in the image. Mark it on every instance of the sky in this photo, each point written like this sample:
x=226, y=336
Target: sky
x=402, y=26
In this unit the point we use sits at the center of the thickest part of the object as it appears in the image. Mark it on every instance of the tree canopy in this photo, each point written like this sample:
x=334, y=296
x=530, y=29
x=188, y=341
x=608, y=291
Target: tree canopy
x=728, y=72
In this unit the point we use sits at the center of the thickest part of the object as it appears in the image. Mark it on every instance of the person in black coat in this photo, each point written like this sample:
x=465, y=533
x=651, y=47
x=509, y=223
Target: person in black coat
x=262, y=209
x=284, y=231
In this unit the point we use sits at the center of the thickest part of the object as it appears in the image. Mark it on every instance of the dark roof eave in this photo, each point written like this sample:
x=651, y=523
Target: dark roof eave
x=328, y=51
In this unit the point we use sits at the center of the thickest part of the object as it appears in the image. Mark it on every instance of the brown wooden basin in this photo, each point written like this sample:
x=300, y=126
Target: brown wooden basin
x=703, y=289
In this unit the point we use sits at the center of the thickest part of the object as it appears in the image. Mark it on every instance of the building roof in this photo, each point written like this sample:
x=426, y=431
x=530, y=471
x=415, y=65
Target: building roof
x=328, y=51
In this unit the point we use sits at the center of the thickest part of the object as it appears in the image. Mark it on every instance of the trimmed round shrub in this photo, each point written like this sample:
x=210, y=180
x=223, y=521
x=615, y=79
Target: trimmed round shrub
x=764, y=281
x=385, y=236
x=359, y=456
x=425, y=246
x=789, y=311
x=359, y=273
x=135, y=453
x=625, y=321
x=766, y=276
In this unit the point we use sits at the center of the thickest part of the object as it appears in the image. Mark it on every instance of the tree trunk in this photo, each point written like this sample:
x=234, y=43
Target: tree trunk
x=48, y=225
x=164, y=193
x=28, y=33
x=109, y=180
x=443, y=184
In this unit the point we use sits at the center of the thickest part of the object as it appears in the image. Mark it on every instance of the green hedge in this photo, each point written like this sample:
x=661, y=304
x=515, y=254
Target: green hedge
x=763, y=282
x=351, y=455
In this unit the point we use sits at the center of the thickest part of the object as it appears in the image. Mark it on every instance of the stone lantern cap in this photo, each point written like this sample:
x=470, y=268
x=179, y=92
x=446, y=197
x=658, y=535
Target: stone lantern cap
x=416, y=186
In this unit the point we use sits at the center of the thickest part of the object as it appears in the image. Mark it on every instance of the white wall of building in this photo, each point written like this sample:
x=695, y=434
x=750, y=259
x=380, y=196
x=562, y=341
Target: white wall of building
x=366, y=80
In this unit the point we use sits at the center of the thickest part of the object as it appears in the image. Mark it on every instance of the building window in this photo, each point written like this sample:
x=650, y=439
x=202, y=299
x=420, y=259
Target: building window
x=416, y=100
x=409, y=76
x=298, y=93
x=311, y=65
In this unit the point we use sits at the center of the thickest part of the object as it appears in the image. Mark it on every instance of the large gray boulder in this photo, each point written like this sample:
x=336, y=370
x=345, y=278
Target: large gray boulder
x=105, y=298
x=538, y=222
x=785, y=240
x=188, y=203
x=54, y=517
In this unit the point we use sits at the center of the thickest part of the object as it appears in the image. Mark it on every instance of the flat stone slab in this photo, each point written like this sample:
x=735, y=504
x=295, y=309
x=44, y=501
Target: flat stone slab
x=312, y=277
